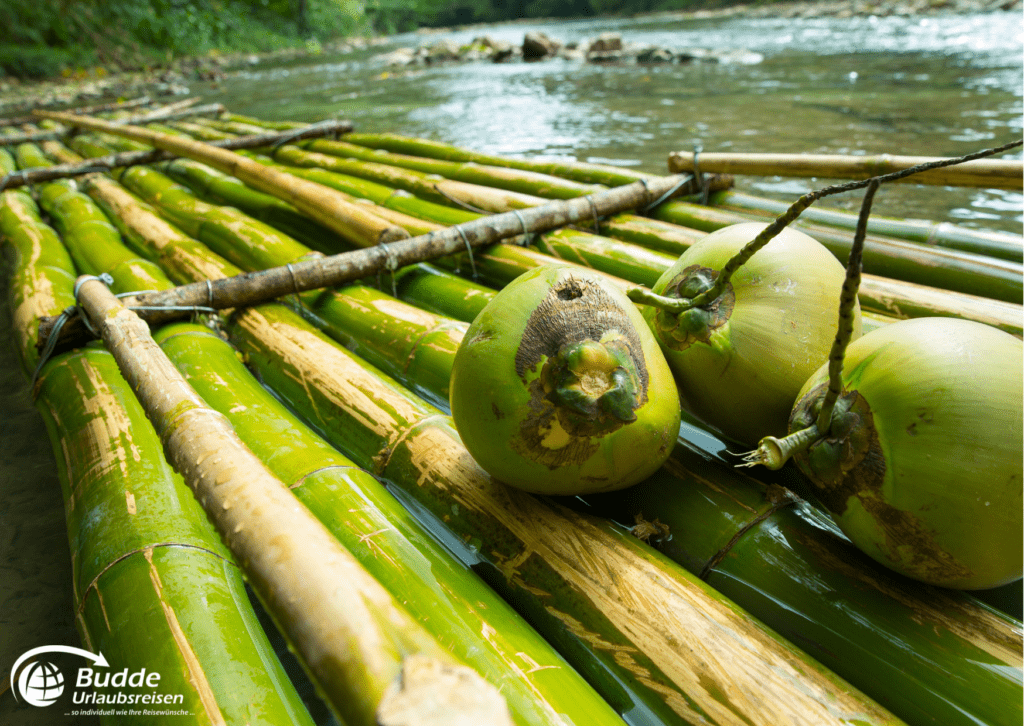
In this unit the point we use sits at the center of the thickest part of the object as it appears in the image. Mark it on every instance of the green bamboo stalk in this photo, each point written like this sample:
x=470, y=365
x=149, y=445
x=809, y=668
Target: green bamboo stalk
x=994, y=244
x=447, y=597
x=922, y=653
x=527, y=182
x=578, y=171
x=878, y=295
x=146, y=564
x=224, y=189
x=318, y=202
x=428, y=186
x=962, y=272
x=94, y=243
x=947, y=269
x=370, y=658
x=531, y=552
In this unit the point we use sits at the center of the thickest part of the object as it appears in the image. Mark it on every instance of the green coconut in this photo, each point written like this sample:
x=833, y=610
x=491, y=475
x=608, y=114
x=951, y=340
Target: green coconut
x=559, y=387
x=921, y=466
x=741, y=359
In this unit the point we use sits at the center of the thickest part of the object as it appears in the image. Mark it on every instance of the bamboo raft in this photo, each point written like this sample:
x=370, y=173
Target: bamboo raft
x=270, y=406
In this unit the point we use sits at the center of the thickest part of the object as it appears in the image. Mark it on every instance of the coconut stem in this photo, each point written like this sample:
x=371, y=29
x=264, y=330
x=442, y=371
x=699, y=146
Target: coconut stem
x=774, y=452
x=643, y=296
x=847, y=306
x=794, y=211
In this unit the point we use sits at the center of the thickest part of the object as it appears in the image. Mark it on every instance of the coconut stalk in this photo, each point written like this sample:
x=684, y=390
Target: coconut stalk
x=944, y=234
x=149, y=155
x=369, y=657
x=984, y=173
x=931, y=647
x=312, y=274
x=319, y=203
x=145, y=561
x=665, y=638
x=447, y=597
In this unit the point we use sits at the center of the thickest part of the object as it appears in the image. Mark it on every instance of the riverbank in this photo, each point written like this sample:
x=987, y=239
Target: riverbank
x=166, y=83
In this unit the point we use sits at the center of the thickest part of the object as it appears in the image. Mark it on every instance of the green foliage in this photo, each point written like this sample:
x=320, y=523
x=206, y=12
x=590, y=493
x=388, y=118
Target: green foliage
x=48, y=36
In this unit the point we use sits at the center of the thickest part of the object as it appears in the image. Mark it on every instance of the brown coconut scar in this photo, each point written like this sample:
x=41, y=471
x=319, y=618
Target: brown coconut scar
x=581, y=359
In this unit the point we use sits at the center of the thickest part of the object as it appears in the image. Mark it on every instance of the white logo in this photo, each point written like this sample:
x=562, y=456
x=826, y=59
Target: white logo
x=41, y=683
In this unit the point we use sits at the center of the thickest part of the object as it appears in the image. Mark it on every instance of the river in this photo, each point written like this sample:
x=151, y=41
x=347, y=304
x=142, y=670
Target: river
x=935, y=85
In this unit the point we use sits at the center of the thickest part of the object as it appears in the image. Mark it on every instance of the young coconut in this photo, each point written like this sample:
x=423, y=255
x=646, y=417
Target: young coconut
x=559, y=388
x=912, y=436
x=743, y=341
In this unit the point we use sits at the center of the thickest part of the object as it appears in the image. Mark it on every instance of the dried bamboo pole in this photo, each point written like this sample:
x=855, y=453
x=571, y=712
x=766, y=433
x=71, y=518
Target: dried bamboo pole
x=985, y=173
x=99, y=108
x=252, y=288
x=132, y=158
x=319, y=202
x=363, y=649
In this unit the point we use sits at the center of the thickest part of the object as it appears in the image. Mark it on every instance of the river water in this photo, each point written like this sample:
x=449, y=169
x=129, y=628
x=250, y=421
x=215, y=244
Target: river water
x=934, y=86
x=937, y=85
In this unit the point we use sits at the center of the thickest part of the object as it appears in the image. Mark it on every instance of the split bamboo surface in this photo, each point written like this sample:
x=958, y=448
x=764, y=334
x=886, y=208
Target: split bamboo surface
x=368, y=655
x=985, y=173
x=145, y=561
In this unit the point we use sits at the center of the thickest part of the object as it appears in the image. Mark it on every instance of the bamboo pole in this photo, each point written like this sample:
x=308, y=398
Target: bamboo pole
x=578, y=171
x=517, y=180
x=320, y=203
x=909, y=262
x=1003, y=245
x=368, y=655
x=985, y=173
x=448, y=598
x=312, y=274
x=943, y=268
x=99, y=108
x=659, y=629
x=130, y=158
x=145, y=561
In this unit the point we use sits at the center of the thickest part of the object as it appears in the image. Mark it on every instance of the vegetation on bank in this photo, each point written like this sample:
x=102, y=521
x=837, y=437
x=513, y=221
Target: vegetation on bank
x=47, y=38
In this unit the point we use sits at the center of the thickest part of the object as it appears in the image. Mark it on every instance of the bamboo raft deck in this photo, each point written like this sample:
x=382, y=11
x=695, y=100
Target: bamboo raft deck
x=297, y=438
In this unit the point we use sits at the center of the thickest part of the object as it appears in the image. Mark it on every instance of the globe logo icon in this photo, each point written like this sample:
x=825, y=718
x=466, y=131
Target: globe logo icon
x=41, y=683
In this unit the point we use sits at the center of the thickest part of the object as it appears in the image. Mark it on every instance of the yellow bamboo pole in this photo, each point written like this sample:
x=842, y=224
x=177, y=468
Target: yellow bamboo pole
x=985, y=173
x=317, y=201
